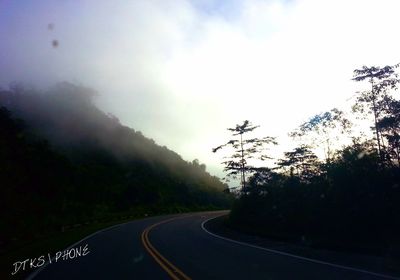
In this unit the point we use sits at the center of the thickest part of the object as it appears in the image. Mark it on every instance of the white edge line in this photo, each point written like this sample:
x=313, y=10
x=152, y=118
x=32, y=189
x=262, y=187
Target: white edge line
x=294, y=256
x=37, y=271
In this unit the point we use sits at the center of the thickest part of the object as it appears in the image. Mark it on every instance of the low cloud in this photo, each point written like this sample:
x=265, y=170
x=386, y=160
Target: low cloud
x=182, y=72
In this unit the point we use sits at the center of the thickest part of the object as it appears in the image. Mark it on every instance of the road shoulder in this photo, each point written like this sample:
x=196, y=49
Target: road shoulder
x=374, y=264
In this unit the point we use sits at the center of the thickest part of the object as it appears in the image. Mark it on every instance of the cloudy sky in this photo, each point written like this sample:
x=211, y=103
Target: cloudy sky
x=183, y=71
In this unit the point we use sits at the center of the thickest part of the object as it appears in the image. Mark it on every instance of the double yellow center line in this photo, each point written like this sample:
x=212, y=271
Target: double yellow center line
x=171, y=269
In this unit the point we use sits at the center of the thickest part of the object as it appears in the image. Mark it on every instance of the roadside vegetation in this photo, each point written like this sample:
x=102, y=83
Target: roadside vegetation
x=339, y=188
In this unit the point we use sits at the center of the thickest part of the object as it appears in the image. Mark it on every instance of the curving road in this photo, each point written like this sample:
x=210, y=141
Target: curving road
x=178, y=247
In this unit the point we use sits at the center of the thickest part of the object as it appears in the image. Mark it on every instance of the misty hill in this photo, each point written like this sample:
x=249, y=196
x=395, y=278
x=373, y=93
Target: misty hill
x=66, y=116
x=65, y=161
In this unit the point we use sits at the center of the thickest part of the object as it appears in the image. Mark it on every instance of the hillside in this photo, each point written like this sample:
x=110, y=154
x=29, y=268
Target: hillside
x=65, y=162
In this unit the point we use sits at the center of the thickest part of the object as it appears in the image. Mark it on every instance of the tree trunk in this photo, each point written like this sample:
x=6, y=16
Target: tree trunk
x=243, y=177
x=376, y=123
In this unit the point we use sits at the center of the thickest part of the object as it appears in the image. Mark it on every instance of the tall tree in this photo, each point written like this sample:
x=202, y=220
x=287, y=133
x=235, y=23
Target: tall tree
x=381, y=80
x=302, y=160
x=389, y=125
x=328, y=126
x=243, y=150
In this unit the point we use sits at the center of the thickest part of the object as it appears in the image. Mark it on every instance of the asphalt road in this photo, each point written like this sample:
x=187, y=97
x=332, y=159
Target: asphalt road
x=178, y=247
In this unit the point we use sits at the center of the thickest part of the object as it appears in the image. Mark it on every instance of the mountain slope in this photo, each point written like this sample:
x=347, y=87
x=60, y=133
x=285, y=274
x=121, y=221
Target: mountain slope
x=67, y=162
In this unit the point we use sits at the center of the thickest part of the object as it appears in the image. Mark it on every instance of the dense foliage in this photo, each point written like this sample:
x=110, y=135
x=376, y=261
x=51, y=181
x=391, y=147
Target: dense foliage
x=351, y=198
x=65, y=162
x=352, y=204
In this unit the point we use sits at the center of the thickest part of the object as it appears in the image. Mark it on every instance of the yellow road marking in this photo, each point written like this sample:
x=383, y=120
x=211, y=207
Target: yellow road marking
x=171, y=269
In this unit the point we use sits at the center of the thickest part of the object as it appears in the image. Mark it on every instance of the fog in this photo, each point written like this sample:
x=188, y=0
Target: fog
x=182, y=72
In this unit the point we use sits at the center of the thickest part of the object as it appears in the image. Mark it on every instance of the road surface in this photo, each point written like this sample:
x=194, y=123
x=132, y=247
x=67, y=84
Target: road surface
x=179, y=247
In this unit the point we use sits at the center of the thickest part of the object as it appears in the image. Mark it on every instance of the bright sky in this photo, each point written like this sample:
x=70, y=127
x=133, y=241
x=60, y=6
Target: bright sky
x=183, y=71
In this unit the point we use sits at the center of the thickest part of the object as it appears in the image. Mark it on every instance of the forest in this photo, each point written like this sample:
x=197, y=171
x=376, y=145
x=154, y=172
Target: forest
x=339, y=188
x=65, y=163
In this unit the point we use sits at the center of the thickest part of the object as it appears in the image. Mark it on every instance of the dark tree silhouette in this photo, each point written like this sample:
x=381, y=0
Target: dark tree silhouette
x=347, y=202
x=381, y=80
x=324, y=125
x=302, y=160
x=389, y=125
x=244, y=149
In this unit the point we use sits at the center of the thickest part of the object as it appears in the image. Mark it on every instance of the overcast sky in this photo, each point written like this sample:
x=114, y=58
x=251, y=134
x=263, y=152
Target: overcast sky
x=183, y=71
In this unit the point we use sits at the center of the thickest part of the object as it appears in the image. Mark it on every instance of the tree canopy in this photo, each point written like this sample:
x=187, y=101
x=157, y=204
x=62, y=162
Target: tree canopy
x=244, y=150
x=347, y=200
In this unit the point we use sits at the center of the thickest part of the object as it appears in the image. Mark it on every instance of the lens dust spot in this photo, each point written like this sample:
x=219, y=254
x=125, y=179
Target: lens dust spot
x=55, y=43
